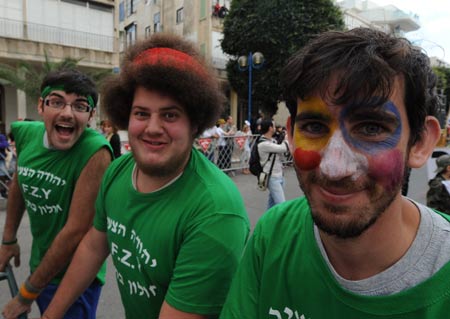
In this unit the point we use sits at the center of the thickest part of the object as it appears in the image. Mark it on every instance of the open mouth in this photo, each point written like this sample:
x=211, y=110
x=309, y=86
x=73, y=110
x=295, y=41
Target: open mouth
x=64, y=129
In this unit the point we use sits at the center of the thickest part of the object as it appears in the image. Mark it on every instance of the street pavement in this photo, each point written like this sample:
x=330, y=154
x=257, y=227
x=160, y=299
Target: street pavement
x=255, y=202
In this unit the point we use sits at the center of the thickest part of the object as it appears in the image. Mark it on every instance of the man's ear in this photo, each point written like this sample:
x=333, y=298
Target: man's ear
x=422, y=149
x=40, y=106
x=91, y=114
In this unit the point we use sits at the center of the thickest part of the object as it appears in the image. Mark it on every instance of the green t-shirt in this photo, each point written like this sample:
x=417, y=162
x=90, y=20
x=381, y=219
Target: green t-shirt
x=181, y=243
x=284, y=276
x=47, y=180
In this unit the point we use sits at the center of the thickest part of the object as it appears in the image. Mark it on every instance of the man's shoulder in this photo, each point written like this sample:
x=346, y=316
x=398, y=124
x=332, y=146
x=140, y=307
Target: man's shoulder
x=292, y=213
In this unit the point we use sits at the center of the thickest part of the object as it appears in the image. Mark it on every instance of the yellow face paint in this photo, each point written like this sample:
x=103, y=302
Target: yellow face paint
x=315, y=109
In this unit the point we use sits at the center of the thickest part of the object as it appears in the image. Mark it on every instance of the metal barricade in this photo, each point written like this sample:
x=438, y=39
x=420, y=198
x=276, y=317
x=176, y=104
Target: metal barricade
x=234, y=152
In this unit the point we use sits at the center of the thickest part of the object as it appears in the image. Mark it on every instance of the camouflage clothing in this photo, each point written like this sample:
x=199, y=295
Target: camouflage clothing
x=438, y=196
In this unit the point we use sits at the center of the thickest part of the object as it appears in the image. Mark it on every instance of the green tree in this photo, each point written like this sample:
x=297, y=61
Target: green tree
x=28, y=77
x=277, y=29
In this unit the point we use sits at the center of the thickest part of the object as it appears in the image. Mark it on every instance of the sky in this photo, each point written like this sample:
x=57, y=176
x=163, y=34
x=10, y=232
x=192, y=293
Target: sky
x=434, y=17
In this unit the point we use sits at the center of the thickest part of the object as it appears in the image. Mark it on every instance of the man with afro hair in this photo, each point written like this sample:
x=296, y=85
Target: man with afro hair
x=174, y=224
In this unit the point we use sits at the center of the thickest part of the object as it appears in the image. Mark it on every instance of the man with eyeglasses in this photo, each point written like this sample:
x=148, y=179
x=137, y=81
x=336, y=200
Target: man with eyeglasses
x=60, y=163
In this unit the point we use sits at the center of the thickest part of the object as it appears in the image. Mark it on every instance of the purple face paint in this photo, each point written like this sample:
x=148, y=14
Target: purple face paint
x=387, y=168
x=387, y=114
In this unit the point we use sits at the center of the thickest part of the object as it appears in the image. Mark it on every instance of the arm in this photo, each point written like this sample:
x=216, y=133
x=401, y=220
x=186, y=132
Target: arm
x=242, y=300
x=169, y=312
x=204, y=266
x=269, y=147
x=89, y=257
x=14, y=212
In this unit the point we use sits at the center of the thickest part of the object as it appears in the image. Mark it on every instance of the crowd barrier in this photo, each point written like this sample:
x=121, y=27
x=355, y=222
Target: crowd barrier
x=233, y=154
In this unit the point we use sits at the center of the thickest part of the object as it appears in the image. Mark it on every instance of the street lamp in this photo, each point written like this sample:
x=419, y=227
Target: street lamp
x=252, y=61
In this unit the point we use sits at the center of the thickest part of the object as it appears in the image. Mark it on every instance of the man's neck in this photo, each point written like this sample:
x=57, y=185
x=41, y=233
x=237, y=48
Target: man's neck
x=379, y=247
x=268, y=136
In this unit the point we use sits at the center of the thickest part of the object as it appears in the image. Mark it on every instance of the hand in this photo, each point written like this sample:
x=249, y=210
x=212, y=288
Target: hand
x=6, y=253
x=15, y=308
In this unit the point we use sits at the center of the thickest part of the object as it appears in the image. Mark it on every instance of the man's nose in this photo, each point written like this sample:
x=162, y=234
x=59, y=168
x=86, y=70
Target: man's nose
x=340, y=161
x=154, y=124
x=66, y=110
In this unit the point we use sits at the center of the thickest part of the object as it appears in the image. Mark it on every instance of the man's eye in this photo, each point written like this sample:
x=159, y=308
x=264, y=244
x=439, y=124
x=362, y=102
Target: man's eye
x=371, y=130
x=140, y=114
x=80, y=107
x=57, y=103
x=170, y=116
x=314, y=128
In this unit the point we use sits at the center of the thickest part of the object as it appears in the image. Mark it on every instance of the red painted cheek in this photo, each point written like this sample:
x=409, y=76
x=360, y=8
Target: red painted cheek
x=306, y=160
x=387, y=168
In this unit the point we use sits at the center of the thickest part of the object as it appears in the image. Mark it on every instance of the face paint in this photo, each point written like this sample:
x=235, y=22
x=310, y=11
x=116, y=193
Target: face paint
x=309, y=113
x=306, y=160
x=339, y=161
x=387, y=114
x=388, y=169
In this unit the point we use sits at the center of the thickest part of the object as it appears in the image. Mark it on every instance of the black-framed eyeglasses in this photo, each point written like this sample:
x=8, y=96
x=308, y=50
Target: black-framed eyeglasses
x=76, y=106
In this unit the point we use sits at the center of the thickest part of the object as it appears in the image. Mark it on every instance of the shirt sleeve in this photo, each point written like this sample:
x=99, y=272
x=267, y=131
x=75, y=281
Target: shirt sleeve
x=242, y=299
x=269, y=147
x=206, y=263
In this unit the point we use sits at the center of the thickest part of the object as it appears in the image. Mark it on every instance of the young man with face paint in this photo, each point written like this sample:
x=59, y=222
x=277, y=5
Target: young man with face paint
x=174, y=224
x=60, y=164
x=362, y=107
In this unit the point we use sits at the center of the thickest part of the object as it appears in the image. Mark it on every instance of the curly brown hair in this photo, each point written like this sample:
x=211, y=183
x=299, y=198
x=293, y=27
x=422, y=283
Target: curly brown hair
x=366, y=63
x=191, y=83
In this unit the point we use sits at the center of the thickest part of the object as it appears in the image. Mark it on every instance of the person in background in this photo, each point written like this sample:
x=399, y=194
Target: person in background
x=212, y=134
x=362, y=106
x=174, y=224
x=60, y=163
x=245, y=155
x=270, y=154
x=111, y=135
x=438, y=195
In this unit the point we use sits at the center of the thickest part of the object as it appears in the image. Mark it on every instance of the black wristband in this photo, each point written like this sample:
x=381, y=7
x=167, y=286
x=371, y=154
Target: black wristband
x=9, y=242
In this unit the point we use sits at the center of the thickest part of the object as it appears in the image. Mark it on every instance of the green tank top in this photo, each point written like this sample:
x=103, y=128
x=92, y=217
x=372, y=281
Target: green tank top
x=47, y=180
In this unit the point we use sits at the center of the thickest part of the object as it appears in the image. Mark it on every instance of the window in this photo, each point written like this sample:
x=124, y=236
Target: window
x=148, y=31
x=180, y=15
x=202, y=9
x=131, y=7
x=203, y=49
x=157, y=22
x=121, y=11
x=130, y=34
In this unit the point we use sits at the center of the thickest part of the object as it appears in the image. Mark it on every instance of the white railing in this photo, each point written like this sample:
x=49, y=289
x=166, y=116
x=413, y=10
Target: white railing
x=42, y=33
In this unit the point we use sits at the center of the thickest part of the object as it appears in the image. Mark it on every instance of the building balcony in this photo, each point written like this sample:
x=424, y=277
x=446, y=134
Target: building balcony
x=41, y=33
x=394, y=17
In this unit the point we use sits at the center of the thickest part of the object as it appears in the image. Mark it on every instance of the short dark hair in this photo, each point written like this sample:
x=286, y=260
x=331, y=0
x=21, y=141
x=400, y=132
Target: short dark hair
x=265, y=125
x=195, y=88
x=73, y=81
x=366, y=62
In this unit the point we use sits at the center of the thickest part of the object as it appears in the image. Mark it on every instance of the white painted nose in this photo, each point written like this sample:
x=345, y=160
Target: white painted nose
x=340, y=161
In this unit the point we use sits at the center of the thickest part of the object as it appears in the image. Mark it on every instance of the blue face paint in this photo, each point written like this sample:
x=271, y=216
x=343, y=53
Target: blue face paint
x=372, y=147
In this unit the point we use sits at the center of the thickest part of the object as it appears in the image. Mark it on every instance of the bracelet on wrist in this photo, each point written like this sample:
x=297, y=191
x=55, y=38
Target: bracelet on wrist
x=9, y=242
x=27, y=293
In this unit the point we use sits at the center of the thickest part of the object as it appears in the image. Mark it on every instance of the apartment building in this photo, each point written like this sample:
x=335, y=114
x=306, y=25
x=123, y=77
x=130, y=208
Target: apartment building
x=31, y=29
